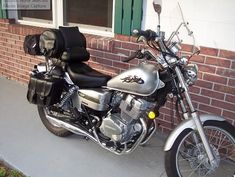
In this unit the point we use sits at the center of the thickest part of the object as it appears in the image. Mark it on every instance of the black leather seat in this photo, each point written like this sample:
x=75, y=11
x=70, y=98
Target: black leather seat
x=86, y=77
x=74, y=55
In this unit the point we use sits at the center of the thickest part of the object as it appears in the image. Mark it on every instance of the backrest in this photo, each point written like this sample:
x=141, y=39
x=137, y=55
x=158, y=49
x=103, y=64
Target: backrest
x=72, y=37
x=74, y=45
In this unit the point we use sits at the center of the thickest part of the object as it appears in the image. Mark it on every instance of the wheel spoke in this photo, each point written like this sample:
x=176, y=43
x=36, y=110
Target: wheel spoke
x=188, y=142
x=187, y=159
x=225, y=146
x=221, y=142
x=206, y=174
x=212, y=136
x=191, y=158
x=221, y=145
x=193, y=170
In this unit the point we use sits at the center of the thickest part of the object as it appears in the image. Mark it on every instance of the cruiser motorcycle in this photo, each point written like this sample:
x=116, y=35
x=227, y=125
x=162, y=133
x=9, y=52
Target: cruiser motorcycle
x=119, y=113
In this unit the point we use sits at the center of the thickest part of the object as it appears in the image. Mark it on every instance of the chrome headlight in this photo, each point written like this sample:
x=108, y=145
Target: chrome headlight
x=191, y=73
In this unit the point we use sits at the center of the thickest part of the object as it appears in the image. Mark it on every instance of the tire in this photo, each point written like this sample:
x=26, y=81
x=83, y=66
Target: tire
x=185, y=154
x=58, y=131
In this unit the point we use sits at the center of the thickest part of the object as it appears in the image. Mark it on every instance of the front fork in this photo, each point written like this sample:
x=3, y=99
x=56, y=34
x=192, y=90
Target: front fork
x=195, y=117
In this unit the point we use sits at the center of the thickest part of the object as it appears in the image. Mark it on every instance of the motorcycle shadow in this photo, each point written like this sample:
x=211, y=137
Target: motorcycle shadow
x=147, y=160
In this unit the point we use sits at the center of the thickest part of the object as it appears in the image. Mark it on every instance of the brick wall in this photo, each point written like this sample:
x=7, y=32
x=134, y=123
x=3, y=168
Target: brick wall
x=214, y=92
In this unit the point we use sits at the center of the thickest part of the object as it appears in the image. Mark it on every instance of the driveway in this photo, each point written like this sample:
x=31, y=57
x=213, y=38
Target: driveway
x=29, y=147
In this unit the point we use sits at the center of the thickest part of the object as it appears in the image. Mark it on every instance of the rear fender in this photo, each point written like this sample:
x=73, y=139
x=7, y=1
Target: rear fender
x=188, y=124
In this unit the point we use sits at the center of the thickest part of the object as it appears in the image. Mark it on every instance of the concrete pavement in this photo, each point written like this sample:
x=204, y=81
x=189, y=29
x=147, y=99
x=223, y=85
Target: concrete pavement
x=28, y=146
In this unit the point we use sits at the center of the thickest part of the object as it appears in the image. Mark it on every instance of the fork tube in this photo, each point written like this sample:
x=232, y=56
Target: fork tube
x=183, y=108
x=185, y=87
x=195, y=117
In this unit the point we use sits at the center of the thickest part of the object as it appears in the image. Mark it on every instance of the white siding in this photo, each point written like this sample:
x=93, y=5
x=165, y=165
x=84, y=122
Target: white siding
x=213, y=21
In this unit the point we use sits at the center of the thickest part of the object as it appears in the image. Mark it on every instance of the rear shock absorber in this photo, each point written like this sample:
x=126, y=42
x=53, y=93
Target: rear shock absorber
x=66, y=97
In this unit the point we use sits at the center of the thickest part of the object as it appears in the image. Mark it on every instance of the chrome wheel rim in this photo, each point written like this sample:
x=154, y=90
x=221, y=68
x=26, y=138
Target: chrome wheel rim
x=191, y=158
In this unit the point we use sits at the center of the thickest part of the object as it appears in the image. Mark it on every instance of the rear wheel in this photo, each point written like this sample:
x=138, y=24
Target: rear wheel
x=53, y=128
x=187, y=157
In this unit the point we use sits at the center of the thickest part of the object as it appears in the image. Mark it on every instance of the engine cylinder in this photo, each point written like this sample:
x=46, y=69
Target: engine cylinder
x=123, y=126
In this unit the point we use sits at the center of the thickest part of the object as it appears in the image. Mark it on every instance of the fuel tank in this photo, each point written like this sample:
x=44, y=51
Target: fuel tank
x=142, y=80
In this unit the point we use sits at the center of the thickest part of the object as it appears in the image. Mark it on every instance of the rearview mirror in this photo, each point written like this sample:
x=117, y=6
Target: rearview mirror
x=157, y=5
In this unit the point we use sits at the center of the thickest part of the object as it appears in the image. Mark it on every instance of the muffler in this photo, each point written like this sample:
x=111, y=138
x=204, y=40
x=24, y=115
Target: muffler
x=95, y=138
x=70, y=127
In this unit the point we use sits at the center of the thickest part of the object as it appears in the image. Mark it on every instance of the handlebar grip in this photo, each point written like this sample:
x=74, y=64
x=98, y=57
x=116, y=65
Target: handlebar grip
x=148, y=34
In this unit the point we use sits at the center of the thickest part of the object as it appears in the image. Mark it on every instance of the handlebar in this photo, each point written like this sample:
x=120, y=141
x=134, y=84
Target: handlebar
x=137, y=54
x=164, y=53
x=148, y=34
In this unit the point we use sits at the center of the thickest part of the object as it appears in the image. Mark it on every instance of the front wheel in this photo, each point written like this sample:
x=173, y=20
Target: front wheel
x=187, y=157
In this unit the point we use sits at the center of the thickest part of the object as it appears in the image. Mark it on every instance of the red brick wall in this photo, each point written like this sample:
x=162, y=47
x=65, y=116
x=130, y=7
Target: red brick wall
x=214, y=92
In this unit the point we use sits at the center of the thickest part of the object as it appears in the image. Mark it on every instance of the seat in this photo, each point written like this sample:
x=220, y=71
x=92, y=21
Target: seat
x=74, y=55
x=86, y=77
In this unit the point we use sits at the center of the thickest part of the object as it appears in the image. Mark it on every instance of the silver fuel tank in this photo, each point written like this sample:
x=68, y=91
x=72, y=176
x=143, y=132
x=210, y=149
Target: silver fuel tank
x=142, y=80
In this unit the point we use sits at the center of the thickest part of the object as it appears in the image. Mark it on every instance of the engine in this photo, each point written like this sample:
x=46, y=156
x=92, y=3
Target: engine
x=124, y=125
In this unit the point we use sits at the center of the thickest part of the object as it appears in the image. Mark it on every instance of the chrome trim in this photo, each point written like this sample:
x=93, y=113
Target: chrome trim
x=125, y=151
x=199, y=127
x=46, y=112
x=185, y=87
x=152, y=133
x=95, y=138
x=189, y=123
x=195, y=117
x=70, y=127
x=109, y=149
x=68, y=79
x=141, y=138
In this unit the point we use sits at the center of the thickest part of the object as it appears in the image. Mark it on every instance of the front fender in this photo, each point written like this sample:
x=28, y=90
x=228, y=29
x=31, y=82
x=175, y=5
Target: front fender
x=188, y=124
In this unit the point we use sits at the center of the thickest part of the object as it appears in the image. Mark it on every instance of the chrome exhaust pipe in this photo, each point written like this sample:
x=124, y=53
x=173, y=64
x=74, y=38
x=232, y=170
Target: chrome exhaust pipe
x=141, y=138
x=96, y=139
x=151, y=134
x=70, y=127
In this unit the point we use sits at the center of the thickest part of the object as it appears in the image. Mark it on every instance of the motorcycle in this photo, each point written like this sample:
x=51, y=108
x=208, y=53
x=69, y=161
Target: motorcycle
x=119, y=113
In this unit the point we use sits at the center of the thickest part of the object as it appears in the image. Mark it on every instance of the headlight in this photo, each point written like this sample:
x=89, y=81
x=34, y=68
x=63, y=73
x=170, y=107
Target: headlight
x=190, y=74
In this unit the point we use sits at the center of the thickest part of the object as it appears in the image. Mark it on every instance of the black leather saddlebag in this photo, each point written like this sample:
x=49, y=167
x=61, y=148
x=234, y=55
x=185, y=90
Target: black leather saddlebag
x=44, y=90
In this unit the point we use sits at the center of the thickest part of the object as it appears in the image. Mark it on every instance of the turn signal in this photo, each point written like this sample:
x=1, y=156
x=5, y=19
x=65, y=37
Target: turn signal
x=151, y=115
